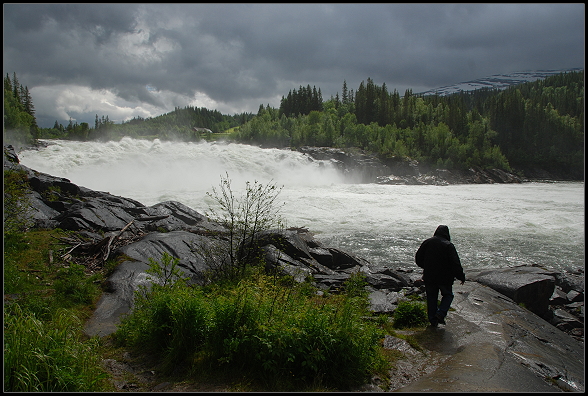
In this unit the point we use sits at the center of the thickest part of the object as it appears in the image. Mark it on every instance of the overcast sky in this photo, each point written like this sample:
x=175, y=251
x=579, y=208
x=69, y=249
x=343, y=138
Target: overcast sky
x=126, y=60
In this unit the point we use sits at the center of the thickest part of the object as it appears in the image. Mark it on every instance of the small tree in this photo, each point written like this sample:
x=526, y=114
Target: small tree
x=244, y=217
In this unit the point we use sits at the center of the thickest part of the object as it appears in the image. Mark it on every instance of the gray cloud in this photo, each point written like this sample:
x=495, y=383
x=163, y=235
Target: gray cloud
x=236, y=56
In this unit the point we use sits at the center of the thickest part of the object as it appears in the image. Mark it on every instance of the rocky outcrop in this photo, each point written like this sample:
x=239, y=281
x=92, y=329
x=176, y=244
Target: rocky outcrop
x=491, y=344
x=529, y=286
x=357, y=165
x=362, y=167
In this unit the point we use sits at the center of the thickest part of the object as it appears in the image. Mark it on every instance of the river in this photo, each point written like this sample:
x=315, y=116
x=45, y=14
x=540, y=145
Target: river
x=491, y=225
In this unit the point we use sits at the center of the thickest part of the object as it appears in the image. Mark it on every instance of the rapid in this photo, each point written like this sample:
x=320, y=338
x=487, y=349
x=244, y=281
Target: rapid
x=491, y=225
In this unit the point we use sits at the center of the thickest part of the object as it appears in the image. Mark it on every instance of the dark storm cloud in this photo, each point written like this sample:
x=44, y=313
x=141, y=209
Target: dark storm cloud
x=241, y=55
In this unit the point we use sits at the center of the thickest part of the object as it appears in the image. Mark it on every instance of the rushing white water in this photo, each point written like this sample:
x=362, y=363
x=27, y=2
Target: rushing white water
x=492, y=225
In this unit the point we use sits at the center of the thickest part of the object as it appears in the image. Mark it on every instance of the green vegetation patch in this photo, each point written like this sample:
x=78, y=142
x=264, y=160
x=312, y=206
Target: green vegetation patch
x=410, y=314
x=49, y=356
x=277, y=335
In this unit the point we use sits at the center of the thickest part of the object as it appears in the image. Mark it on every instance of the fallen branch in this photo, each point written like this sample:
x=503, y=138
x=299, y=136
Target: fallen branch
x=152, y=218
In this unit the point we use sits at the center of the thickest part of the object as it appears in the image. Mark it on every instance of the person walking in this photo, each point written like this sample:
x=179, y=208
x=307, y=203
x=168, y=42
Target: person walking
x=438, y=257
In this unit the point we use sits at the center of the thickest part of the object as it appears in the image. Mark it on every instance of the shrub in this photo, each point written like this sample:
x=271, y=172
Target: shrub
x=17, y=216
x=244, y=217
x=410, y=314
x=274, y=334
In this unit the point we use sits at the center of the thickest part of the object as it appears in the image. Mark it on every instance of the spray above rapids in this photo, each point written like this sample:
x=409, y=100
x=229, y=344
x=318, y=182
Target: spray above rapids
x=132, y=164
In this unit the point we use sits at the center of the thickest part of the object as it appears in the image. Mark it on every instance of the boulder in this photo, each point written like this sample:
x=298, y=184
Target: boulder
x=118, y=297
x=565, y=321
x=10, y=156
x=358, y=165
x=197, y=253
x=287, y=241
x=382, y=302
x=383, y=281
x=531, y=286
x=575, y=296
x=570, y=281
x=279, y=261
x=558, y=297
x=403, y=278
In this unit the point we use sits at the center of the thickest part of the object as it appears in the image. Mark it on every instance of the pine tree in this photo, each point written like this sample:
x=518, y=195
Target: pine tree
x=345, y=93
x=16, y=88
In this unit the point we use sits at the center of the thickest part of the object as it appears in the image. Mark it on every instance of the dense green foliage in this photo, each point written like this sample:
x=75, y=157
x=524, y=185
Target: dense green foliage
x=45, y=302
x=541, y=123
x=20, y=124
x=302, y=101
x=270, y=328
x=16, y=202
x=410, y=314
x=281, y=335
x=533, y=125
x=44, y=348
x=48, y=356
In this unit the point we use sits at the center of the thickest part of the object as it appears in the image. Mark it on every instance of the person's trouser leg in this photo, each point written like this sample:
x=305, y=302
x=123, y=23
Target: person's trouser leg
x=446, y=299
x=432, y=291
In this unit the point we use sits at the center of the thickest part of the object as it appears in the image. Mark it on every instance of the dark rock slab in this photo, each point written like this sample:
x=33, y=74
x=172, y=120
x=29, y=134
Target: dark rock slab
x=196, y=252
x=570, y=281
x=565, y=321
x=384, y=302
x=279, y=261
x=575, y=296
x=287, y=241
x=118, y=297
x=344, y=260
x=558, y=297
x=383, y=281
x=531, y=286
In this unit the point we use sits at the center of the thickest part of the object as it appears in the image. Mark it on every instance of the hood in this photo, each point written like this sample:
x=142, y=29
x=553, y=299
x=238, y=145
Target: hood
x=443, y=232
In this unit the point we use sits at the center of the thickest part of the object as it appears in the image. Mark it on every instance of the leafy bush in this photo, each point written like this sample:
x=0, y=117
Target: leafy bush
x=355, y=285
x=165, y=272
x=410, y=314
x=244, y=217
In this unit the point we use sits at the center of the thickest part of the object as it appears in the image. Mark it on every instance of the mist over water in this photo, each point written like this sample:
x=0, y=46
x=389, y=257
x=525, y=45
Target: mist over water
x=492, y=225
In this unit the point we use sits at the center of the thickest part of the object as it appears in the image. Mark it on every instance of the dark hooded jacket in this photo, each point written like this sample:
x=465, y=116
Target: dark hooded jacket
x=439, y=259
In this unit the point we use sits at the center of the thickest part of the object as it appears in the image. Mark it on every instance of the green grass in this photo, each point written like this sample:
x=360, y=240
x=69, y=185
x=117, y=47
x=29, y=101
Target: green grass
x=280, y=338
x=44, y=349
x=49, y=355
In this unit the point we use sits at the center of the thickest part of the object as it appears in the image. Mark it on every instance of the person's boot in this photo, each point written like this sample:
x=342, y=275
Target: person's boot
x=440, y=318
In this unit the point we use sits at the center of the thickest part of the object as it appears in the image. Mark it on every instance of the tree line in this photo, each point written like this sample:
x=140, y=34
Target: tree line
x=533, y=125
x=301, y=101
x=20, y=123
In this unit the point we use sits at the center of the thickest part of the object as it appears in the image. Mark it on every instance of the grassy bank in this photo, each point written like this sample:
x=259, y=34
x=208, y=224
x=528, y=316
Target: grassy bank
x=46, y=301
x=260, y=332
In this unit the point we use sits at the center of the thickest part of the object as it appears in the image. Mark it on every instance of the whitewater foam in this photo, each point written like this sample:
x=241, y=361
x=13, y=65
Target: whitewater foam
x=492, y=225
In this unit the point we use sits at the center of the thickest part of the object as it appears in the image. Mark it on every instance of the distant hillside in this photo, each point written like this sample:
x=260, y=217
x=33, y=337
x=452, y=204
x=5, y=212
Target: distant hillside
x=499, y=81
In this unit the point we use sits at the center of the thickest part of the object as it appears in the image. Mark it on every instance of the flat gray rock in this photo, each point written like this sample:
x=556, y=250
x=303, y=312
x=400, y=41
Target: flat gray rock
x=495, y=345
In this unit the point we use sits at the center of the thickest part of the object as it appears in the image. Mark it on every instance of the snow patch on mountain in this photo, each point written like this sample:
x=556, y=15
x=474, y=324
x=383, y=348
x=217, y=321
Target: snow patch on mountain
x=498, y=81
